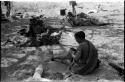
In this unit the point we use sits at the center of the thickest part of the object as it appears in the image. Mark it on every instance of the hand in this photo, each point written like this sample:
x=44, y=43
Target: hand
x=52, y=59
x=36, y=76
x=72, y=51
x=73, y=55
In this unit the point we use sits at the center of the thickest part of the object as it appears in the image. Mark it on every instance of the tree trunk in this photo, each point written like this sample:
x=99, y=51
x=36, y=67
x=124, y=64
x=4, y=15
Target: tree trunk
x=73, y=10
x=8, y=6
x=0, y=10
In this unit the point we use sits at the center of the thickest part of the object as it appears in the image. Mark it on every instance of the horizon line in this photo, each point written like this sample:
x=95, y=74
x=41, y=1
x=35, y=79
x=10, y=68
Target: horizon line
x=65, y=0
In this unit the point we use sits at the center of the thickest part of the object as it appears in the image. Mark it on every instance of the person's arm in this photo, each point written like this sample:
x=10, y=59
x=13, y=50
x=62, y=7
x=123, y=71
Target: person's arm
x=78, y=53
x=68, y=56
x=82, y=50
x=62, y=57
x=45, y=33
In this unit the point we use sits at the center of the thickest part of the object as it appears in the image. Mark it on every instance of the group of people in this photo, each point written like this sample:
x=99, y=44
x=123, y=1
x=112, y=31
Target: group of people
x=40, y=34
x=83, y=60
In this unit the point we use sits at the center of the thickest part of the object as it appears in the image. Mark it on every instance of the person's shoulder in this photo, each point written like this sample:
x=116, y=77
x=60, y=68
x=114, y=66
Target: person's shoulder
x=83, y=44
x=89, y=42
x=92, y=45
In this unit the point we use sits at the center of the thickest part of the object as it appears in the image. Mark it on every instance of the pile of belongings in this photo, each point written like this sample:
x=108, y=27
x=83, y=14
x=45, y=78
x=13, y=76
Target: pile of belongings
x=41, y=34
x=83, y=19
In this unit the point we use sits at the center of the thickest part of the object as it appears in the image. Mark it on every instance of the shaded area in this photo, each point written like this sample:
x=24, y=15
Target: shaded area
x=20, y=63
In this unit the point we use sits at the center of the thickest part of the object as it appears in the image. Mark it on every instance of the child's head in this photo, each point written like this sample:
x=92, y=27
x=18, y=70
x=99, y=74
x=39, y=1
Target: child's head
x=79, y=36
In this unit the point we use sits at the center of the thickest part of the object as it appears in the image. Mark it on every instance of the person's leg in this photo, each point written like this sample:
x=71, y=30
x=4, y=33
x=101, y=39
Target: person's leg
x=38, y=72
x=34, y=42
x=71, y=70
x=74, y=69
x=65, y=61
x=26, y=43
x=68, y=59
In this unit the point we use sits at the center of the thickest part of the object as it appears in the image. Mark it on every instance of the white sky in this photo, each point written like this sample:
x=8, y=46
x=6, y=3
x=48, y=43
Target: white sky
x=67, y=0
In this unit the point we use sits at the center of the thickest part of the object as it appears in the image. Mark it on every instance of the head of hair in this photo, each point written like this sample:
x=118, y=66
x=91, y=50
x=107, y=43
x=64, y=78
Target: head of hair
x=80, y=35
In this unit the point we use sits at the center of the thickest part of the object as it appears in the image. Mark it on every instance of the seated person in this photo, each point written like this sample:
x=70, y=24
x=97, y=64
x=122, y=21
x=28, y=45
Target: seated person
x=84, y=59
x=70, y=14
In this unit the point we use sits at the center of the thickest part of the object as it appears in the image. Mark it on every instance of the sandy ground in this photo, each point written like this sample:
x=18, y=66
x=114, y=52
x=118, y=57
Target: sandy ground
x=20, y=63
